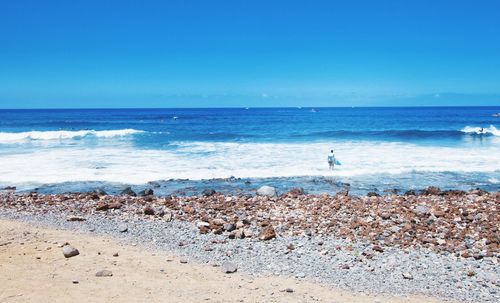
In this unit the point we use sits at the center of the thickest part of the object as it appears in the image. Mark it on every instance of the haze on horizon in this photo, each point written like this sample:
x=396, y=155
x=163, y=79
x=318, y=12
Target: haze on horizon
x=88, y=54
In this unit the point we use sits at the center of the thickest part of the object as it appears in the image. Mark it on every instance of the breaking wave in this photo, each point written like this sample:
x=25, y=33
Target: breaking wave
x=481, y=131
x=6, y=137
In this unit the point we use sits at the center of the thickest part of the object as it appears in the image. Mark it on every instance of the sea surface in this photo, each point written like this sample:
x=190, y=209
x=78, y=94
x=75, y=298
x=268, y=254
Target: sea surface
x=235, y=150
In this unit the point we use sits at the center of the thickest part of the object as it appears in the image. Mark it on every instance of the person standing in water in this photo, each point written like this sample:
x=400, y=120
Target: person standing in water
x=331, y=160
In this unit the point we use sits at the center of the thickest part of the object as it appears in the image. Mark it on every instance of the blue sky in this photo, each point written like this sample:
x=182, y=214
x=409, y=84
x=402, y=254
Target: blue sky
x=248, y=53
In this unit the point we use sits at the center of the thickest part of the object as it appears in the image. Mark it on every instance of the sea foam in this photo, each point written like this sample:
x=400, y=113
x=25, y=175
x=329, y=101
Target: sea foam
x=8, y=137
x=491, y=130
x=206, y=160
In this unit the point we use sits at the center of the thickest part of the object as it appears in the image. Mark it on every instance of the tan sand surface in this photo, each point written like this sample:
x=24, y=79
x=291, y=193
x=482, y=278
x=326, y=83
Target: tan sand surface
x=33, y=269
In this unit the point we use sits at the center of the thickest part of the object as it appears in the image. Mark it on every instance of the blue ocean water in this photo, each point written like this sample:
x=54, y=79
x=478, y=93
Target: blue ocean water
x=187, y=150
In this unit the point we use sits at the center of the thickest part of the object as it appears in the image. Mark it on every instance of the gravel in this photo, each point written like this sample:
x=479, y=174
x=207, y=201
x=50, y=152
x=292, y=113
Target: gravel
x=349, y=265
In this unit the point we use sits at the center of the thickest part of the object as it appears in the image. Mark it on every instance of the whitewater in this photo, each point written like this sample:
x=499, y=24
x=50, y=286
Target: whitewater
x=378, y=148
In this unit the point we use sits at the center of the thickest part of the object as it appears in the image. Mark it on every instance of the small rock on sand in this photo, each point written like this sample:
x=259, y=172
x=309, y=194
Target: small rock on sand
x=122, y=228
x=104, y=273
x=228, y=267
x=75, y=218
x=70, y=251
x=407, y=276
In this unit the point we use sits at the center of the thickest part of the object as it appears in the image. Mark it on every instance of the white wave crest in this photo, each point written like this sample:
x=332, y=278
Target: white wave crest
x=63, y=134
x=481, y=131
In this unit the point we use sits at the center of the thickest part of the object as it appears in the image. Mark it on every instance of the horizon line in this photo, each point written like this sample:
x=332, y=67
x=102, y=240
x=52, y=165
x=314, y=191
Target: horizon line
x=248, y=107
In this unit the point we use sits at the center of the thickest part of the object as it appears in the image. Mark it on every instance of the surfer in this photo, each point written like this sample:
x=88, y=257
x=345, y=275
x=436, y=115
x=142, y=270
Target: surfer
x=331, y=160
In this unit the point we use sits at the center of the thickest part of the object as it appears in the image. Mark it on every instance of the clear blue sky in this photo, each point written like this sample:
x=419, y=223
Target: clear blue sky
x=248, y=53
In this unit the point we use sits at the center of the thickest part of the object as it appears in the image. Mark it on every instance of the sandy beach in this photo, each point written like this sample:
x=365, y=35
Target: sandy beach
x=34, y=270
x=430, y=246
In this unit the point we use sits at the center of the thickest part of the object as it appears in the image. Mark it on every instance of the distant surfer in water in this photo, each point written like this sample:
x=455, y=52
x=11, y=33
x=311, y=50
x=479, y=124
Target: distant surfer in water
x=331, y=160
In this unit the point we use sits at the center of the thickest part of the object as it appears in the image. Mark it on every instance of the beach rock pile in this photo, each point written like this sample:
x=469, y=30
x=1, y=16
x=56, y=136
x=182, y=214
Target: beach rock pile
x=466, y=224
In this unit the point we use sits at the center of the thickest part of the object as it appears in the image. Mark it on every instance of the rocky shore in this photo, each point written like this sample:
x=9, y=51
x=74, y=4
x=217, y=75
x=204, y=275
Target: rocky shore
x=438, y=243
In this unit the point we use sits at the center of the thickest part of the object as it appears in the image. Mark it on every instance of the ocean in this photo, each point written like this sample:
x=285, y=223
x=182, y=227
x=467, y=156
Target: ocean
x=236, y=150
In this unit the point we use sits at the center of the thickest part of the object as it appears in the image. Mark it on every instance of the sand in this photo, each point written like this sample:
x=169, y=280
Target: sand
x=33, y=269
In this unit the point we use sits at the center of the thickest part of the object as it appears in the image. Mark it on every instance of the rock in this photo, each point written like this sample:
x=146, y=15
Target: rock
x=289, y=290
x=104, y=273
x=372, y=194
x=377, y=248
x=300, y=275
x=267, y=233
x=229, y=227
x=296, y=191
x=102, y=206
x=123, y=228
x=431, y=190
x=70, y=251
x=115, y=205
x=146, y=192
x=9, y=188
x=207, y=192
x=75, y=218
x=149, y=211
x=115, y=254
x=183, y=261
x=100, y=192
x=128, y=192
x=407, y=276
x=75, y=281
x=410, y=193
x=422, y=210
x=266, y=191
x=228, y=267
x=201, y=224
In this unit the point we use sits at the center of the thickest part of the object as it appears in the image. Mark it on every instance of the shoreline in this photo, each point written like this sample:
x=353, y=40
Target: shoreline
x=217, y=228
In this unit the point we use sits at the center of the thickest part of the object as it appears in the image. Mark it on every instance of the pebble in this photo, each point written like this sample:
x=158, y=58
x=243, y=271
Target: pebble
x=122, y=228
x=70, y=251
x=104, y=273
x=228, y=267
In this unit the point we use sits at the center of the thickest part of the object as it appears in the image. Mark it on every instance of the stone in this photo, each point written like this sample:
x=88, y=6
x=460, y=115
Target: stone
x=70, y=251
x=75, y=281
x=288, y=290
x=75, y=218
x=146, y=192
x=148, y=210
x=407, y=276
x=377, y=248
x=431, y=190
x=101, y=206
x=267, y=233
x=9, y=188
x=229, y=227
x=207, y=192
x=115, y=254
x=372, y=194
x=100, y=192
x=296, y=191
x=128, y=192
x=422, y=210
x=228, y=267
x=266, y=191
x=123, y=228
x=115, y=205
x=104, y=273
x=183, y=261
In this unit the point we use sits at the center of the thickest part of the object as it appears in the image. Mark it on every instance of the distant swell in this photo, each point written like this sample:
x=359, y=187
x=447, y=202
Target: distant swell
x=64, y=134
x=403, y=134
